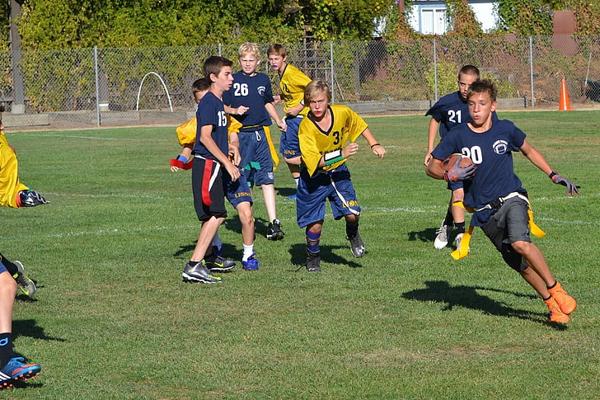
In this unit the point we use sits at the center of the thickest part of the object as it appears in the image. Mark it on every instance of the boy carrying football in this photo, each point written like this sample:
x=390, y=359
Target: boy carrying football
x=496, y=194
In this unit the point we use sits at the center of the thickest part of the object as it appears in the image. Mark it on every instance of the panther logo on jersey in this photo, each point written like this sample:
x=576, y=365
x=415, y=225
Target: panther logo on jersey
x=500, y=146
x=261, y=90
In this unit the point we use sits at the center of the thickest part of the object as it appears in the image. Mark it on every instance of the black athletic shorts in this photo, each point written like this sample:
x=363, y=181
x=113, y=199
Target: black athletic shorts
x=508, y=225
x=208, y=189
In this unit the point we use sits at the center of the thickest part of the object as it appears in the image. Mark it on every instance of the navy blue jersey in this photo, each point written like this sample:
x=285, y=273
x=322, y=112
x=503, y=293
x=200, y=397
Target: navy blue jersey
x=211, y=112
x=491, y=151
x=252, y=91
x=450, y=111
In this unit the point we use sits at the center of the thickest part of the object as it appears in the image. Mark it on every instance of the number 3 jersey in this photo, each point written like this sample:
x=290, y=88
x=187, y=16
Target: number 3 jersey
x=346, y=126
x=491, y=151
x=211, y=112
x=450, y=111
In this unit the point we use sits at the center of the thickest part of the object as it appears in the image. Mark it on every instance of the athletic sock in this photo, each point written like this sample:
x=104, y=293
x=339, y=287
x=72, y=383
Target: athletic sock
x=351, y=229
x=193, y=263
x=10, y=266
x=312, y=241
x=297, y=180
x=448, y=220
x=6, y=351
x=248, y=251
x=460, y=227
x=552, y=286
x=217, y=242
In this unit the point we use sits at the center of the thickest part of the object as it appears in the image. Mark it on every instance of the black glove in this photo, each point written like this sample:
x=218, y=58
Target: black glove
x=458, y=173
x=572, y=189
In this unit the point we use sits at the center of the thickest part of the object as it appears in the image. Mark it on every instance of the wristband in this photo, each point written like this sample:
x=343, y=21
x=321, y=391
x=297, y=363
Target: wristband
x=376, y=144
x=552, y=174
x=180, y=164
x=332, y=157
x=181, y=158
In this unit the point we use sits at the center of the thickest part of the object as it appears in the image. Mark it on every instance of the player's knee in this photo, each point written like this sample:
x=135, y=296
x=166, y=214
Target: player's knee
x=8, y=286
x=521, y=247
x=351, y=218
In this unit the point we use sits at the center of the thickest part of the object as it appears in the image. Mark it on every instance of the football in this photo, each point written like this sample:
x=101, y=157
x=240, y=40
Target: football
x=454, y=158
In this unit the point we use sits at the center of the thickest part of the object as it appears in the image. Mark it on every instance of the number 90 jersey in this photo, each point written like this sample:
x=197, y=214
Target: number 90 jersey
x=450, y=111
x=346, y=126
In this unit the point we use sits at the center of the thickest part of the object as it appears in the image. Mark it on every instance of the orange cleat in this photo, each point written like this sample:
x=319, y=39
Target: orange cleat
x=556, y=315
x=566, y=303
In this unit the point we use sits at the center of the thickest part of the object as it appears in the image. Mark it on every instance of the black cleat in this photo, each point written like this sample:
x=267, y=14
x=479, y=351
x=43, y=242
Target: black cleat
x=216, y=263
x=198, y=274
x=357, y=246
x=313, y=262
x=274, y=231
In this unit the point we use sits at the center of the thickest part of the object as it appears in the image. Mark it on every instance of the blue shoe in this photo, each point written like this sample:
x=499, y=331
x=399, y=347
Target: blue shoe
x=251, y=264
x=17, y=370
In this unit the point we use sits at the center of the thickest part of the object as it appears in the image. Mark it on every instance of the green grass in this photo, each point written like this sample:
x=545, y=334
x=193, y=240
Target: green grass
x=113, y=319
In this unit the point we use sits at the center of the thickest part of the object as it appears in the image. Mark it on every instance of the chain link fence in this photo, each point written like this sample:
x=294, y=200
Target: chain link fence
x=93, y=87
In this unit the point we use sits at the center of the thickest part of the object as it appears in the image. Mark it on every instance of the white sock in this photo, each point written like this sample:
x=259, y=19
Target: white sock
x=297, y=180
x=248, y=251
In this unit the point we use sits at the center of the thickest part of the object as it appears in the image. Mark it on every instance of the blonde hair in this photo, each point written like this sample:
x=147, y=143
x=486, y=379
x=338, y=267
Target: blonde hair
x=316, y=86
x=249, y=48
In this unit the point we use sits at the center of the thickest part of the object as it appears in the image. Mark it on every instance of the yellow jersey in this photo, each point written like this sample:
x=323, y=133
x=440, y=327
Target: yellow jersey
x=292, y=84
x=10, y=186
x=346, y=126
x=186, y=132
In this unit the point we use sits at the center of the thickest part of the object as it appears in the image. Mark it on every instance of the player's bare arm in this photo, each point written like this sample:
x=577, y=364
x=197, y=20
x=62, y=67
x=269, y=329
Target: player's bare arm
x=186, y=153
x=539, y=161
x=433, y=130
x=208, y=142
x=241, y=110
x=375, y=146
x=275, y=117
x=435, y=169
x=292, y=112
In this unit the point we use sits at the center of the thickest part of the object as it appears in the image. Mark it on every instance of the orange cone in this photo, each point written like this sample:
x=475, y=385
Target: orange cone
x=564, y=103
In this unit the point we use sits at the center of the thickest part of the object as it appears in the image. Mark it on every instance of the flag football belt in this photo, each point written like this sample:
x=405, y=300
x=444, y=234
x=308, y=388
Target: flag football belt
x=496, y=204
x=250, y=128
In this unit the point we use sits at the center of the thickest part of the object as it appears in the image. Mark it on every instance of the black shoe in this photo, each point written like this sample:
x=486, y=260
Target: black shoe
x=31, y=198
x=198, y=273
x=357, y=246
x=313, y=262
x=216, y=263
x=274, y=231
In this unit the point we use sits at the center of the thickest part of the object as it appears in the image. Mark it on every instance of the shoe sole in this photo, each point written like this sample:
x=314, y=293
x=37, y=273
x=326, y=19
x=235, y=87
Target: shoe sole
x=220, y=269
x=191, y=279
x=439, y=245
x=275, y=236
x=25, y=285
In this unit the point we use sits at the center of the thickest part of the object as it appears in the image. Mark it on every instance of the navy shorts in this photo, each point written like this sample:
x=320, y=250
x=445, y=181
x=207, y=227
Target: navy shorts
x=2, y=268
x=508, y=225
x=208, y=189
x=455, y=185
x=289, y=146
x=237, y=191
x=257, y=164
x=335, y=186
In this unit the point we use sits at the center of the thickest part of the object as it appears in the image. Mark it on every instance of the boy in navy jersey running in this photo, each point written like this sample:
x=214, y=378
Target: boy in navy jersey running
x=252, y=90
x=449, y=111
x=497, y=195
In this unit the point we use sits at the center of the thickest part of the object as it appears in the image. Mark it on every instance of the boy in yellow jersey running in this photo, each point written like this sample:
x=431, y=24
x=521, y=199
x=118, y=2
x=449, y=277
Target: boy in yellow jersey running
x=327, y=139
x=292, y=83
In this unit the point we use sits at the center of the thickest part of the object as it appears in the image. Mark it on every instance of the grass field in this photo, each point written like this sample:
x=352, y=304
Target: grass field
x=113, y=320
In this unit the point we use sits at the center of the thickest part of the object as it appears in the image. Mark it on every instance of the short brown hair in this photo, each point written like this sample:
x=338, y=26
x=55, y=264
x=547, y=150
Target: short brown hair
x=214, y=64
x=200, y=85
x=483, y=86
x=316, y=86
x=277, y=49
x=469, y=70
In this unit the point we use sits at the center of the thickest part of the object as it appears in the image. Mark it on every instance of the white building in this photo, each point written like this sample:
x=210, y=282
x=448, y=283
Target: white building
x=431, y=16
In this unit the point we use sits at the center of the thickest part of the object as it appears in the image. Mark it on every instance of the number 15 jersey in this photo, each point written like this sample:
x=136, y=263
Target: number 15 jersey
x=346, y=126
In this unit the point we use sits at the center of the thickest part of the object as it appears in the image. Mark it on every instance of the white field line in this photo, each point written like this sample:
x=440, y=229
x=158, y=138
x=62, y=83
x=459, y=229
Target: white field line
x=81, y=137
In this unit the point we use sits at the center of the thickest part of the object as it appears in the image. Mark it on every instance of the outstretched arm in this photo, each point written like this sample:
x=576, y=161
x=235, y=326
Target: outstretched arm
x=539, y=161
x=376, y=148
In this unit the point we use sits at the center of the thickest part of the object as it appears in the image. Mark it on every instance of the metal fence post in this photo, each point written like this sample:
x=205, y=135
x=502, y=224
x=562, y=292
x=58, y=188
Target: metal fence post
x=97, y=86
x=531, y=71
x=220, y=49
x=332, y=72
x=435, y=72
